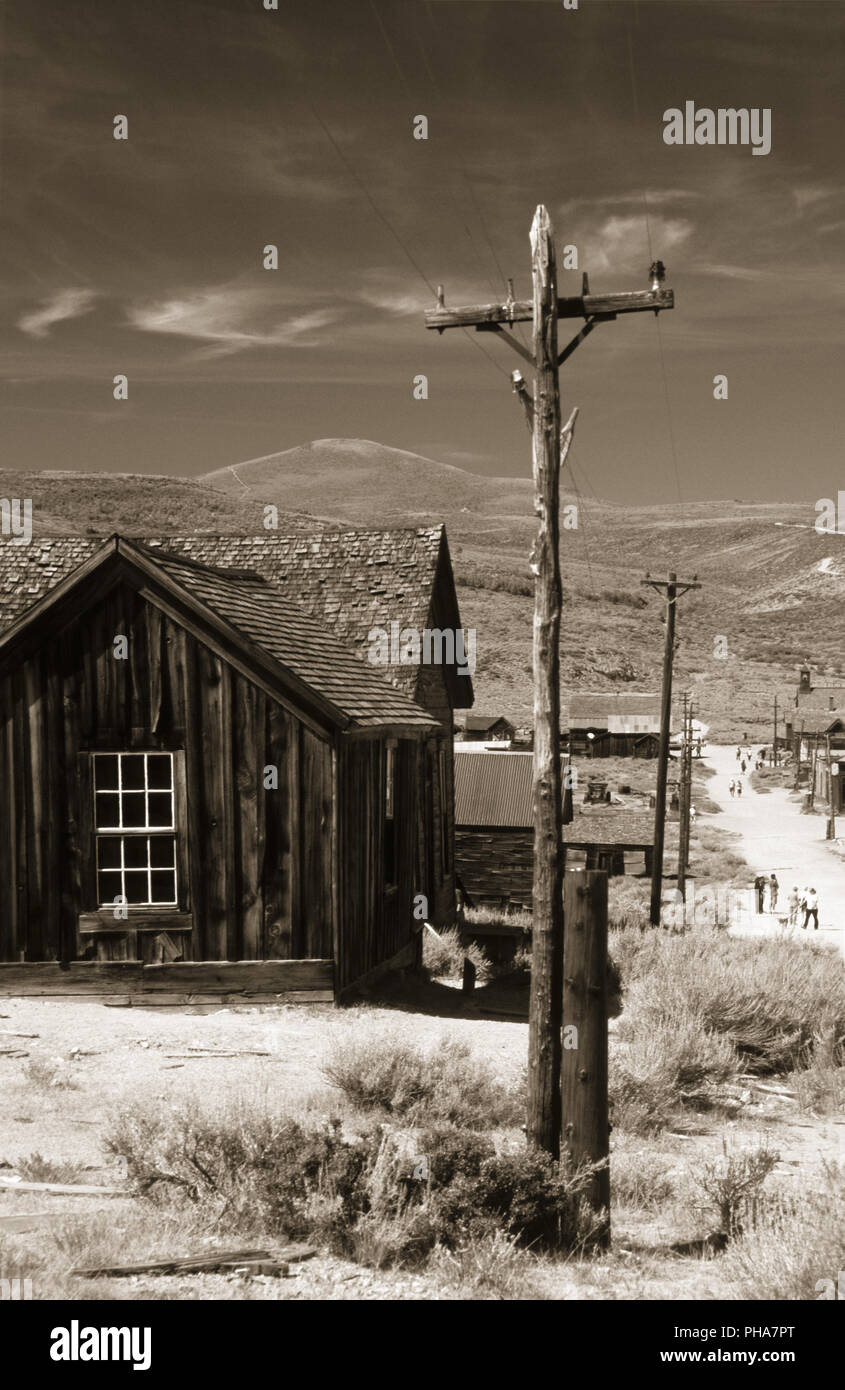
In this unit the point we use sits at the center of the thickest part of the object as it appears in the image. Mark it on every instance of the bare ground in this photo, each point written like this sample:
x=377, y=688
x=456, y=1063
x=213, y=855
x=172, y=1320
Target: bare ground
x=133, y=1054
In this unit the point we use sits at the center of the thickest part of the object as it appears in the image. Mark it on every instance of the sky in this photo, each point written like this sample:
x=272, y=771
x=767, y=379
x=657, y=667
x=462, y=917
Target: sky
x=249, y=127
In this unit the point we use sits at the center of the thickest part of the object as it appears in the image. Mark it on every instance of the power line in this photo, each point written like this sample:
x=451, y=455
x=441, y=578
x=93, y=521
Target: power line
x=392, y=230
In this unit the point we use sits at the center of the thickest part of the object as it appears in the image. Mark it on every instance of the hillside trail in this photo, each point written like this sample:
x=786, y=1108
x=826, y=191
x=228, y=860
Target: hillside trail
x=773, y=836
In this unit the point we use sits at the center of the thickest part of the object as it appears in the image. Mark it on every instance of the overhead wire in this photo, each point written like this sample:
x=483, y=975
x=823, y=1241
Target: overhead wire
x=353, y=173
x=661, y=352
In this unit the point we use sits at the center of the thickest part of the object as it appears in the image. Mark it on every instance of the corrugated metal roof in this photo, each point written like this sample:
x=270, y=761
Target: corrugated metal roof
x=494, y=788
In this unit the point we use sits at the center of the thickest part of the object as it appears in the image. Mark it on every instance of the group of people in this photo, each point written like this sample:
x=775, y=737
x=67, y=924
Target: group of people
x=735, y=785
x=806, y=900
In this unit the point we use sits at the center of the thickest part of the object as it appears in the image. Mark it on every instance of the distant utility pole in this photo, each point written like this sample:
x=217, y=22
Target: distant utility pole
x=775, y=737
x=542, y=409
x=673, y=589
x=831, y=800
x=685, y=800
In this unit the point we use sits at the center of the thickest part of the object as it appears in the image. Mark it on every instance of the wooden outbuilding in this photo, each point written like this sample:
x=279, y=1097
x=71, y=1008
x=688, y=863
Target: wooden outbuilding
x=194, y=770
x=494, y=836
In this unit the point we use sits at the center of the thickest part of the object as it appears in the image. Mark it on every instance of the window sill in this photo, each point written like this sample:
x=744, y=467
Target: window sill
x=138, y=919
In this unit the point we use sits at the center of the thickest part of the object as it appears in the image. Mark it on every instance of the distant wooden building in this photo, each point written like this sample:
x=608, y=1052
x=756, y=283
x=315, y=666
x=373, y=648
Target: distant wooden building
x=194, y=767
x=615, y=725
x=818, y=712
x=483, y=728
x=494, y=837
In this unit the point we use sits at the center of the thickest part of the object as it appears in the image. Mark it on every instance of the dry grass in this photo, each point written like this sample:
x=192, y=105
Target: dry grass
x=444, y=954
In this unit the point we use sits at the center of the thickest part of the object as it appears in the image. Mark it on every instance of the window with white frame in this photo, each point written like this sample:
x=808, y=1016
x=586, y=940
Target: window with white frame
x=135, y=828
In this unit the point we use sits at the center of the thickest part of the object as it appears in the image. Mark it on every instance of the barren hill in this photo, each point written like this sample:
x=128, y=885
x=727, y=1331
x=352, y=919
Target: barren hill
x=772, y=588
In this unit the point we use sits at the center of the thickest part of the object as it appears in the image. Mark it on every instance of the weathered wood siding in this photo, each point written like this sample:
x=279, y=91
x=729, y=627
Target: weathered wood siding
x=375, y=919
x=259, y=861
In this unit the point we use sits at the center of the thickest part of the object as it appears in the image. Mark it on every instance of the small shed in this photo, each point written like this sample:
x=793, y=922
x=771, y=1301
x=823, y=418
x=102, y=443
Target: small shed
x=494, y=835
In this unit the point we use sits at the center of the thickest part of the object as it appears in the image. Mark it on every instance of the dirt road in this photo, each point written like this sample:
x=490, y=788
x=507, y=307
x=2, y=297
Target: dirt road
x=775, y=837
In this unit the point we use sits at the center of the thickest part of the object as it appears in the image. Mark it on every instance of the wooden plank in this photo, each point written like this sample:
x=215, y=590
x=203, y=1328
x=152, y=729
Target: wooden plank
x=208, y=977
x=314, y=939
x=80, y=977
x=155, y=664
x=277, y=870
x=73, y=789
x=571, y=307
x=38, y=944
x=147, y=920
x=64, y=1189
x=201, y=1263
x=248, y=816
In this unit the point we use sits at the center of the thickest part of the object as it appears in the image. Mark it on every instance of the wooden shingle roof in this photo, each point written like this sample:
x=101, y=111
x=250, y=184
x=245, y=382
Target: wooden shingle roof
x=353, y=581
x=261, y=627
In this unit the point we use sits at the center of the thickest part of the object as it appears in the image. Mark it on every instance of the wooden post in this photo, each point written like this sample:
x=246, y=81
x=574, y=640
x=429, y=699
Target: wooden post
x=544, y=1020
x=663, y=753
x=586, y=1128
x=775, y=736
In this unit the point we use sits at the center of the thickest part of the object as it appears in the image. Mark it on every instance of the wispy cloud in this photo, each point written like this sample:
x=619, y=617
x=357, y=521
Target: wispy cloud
x=620, y=241
x=64, y=304
x=228, y=320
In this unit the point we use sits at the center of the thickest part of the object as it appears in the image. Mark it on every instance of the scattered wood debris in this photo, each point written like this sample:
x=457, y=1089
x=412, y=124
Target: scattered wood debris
x=265, y=1261
x=72, y=1189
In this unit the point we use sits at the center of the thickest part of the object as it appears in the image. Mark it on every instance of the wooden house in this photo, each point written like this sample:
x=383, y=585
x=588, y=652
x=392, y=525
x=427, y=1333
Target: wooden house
x=196, y=768
x=484, y=728
x=494, y=837
x=618, y=724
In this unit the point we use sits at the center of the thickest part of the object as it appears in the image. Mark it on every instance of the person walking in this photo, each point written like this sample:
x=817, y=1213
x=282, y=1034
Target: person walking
x=759, y=886
x=773, y=893
x=732, y=787
x=738, y=753
x=739, y=786
x=742, y=765
x=811, y=909
x=794, y=903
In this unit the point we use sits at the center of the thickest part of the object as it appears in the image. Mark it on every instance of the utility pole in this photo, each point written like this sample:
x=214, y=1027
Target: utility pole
x=831, y=802
x=775, y=736
x=673, y=589
x=685, y=801
x=542, y=410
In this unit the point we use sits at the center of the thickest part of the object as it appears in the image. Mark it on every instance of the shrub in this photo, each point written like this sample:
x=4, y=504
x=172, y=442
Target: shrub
x=775, y=1001
x=444, y=954
x=445, y=1083
x=663, y=1064
x=734, y=1181
x=359, y=1196
x=250, y=1164
x=640, y=1180
x=48, y=1075
x=35, y=1168
x=795, y=1245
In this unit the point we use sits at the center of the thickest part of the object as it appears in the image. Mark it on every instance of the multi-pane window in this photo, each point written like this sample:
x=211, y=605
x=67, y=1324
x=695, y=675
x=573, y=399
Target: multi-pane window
x=135, y=828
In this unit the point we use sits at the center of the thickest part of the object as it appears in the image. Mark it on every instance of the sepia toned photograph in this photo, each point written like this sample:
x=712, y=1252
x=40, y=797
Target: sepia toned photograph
x=422, y=718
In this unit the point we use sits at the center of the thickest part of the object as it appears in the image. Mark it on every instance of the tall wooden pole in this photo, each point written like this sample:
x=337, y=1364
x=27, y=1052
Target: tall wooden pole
x=831, y=803
x=544, y=1021
x=543, y=414
x=685, y=802
x=775, y=736
x=663, y=752
x=586, y=1136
